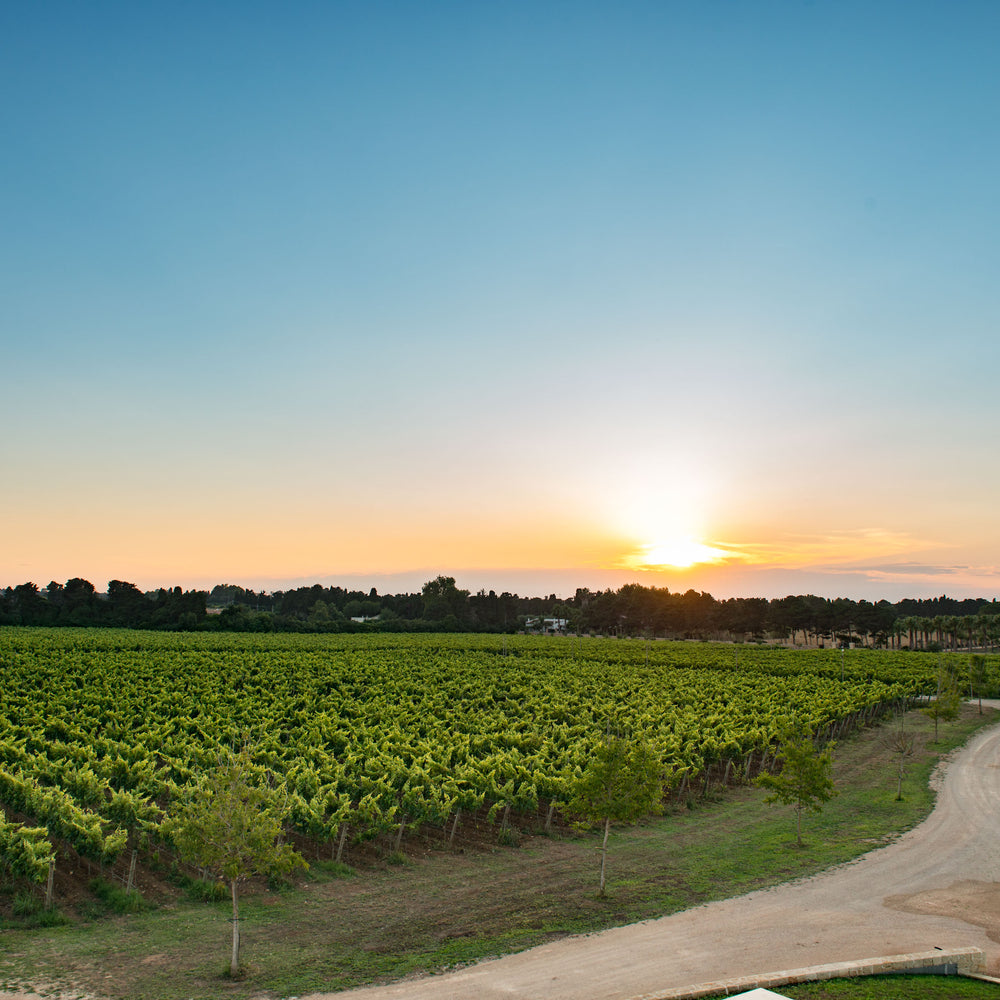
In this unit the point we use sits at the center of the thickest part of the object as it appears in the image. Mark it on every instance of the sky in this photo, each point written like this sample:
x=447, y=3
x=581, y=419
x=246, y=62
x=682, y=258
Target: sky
x=538, y=295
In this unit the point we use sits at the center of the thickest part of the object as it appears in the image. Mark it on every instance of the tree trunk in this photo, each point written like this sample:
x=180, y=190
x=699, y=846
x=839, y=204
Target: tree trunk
x=131, y=872
x=798, y=826
x=604, y=850
x=234, y=964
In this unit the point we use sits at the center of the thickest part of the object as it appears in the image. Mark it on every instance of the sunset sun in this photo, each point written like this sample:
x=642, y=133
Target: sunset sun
x=675, y=553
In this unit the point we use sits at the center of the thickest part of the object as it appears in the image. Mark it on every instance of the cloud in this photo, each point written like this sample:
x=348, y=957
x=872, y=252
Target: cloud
x=899, y=571
x=902, y=569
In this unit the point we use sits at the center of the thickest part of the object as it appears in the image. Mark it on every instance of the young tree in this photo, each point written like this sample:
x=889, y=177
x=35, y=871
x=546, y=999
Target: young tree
x=804, y=780
x=904, y=746
x=622, y=782
x=978, y=677
x=948, y=701
x=230, y=824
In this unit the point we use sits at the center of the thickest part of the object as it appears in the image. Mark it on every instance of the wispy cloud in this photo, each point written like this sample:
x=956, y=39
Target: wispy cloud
x=919, y=571
x=904, y=569
x=832, y=549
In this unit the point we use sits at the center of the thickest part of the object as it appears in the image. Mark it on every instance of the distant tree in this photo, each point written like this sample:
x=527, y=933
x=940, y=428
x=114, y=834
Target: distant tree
x=804, y=779
x=442, y=599
x=27, y=605
x=362, y=609
x=325, y=617
x=78, y=603
x=78, y=589
x=129, y=606
x=239, y=618
x=224, y=594
x=622, y=782
x=230, y=824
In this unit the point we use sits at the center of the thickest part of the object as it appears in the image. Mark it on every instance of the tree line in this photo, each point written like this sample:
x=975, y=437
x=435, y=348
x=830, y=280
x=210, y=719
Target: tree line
x=631, y=610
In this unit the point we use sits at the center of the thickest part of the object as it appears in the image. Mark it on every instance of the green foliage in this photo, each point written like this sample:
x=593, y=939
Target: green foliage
x=723, y=848
x=805, y=779
x=29, y=911
x=61, y=815
x=115, y=898
x=509, y=836
x=889, y=987
x=26, y=904
x=204, y=890
x=979, y=678
x=365, y=732
x=948, y=701
x=230, y=822
x=622, y=782
x=26, y=851
x=442, y=600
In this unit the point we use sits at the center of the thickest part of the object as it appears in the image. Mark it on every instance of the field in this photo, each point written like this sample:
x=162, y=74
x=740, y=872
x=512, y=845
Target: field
x=460, y=745
x=102, y=730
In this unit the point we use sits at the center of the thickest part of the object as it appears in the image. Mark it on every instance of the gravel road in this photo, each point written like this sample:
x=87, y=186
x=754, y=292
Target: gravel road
x=938, y=886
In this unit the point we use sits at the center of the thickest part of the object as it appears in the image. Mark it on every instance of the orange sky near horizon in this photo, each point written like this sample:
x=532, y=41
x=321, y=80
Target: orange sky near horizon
x=547, y=549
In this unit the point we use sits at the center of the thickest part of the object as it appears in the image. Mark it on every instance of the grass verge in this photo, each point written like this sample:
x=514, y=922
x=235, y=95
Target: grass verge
x=440, y=910
x=892, y=988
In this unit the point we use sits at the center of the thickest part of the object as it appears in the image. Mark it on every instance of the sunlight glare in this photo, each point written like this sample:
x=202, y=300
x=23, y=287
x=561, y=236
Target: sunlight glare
x=678, y=553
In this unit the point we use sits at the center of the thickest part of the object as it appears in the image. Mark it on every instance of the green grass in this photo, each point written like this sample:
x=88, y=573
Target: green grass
x=115, y=898
x=893, y=988
x=338, y=927
x=28, y=911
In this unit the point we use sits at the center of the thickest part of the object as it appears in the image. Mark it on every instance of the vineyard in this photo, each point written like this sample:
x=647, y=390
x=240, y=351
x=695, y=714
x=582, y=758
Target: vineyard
x=377, y=738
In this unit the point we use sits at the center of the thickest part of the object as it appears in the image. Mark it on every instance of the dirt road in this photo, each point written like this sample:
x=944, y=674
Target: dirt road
x=938, y=886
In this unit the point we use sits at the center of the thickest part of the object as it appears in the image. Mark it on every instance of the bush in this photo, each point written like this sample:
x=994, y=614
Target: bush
x=509, y=836
x=29, y=912
x=116, y=899
x=26, y=904
x=203, y=890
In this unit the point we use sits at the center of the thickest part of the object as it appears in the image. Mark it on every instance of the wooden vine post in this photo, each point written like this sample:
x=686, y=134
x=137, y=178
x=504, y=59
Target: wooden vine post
x=51, y=884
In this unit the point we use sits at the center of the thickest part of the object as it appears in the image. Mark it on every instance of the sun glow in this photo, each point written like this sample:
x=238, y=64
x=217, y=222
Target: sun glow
x=663, y=516
x=675, y=553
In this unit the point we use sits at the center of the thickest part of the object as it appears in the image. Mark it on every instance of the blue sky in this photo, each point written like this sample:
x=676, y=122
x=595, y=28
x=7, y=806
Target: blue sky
x=377, y=291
